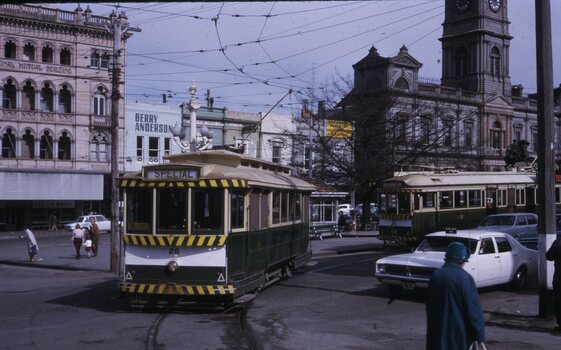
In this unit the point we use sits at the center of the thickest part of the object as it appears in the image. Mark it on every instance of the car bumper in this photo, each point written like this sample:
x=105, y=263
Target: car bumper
x=417, y=282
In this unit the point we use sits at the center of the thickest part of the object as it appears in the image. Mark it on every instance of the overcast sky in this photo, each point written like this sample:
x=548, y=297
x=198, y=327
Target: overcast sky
x=250, y=54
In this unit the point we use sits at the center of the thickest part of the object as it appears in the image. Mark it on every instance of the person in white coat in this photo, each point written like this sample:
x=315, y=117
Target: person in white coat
x=32, y=246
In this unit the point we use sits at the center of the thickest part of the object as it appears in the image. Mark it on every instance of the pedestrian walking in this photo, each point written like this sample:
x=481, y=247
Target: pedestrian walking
x=353, y=223
x=88, y=247
x=454, y=314
x=94, y=236
x=554, y=254
x=341, y=221
x=52, y=222
x=32, y=246
x=77, y=238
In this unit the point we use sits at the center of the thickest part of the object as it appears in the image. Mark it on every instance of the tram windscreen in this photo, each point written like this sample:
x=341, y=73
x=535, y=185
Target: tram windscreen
x=171, y=210
x=139, y=211
x=207, y=213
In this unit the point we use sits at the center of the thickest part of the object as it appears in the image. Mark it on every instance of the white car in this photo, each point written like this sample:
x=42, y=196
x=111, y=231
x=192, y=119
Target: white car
x=496, y=258
x=345, y=209
x=103, y=223
x=512, y=223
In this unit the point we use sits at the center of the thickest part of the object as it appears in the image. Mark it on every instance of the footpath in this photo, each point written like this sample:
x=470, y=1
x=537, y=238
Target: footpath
x=515, y=310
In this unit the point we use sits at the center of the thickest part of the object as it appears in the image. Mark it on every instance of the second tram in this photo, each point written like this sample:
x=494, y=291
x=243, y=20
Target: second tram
x=213, y=224
x=414, y=204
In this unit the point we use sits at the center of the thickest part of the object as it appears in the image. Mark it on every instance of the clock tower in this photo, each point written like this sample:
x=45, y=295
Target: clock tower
x=475, y=46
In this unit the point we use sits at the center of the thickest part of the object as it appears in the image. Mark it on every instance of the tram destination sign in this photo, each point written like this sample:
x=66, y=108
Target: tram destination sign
x=171, y=174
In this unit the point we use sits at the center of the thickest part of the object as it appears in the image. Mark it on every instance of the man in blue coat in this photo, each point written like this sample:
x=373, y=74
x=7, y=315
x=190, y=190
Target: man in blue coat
x=454, y=314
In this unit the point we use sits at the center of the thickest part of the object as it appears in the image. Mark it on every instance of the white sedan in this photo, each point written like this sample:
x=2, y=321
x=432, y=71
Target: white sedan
x=496, y=258
x=103, y=223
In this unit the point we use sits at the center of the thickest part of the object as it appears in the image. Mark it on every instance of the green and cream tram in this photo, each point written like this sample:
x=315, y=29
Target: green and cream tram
x=412, y=205
x=213, y=224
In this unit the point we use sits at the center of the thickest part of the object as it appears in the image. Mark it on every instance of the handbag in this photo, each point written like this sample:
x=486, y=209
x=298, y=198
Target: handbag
x=477, y=346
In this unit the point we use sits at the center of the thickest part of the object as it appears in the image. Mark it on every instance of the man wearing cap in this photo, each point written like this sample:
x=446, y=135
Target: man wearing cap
x=454, y=313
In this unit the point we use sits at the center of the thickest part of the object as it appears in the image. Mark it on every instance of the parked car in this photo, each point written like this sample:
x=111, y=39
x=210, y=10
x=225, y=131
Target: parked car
x=496, y=258
x=103, y=223
x=345, y=209
x=529, y=238
x=511, y=223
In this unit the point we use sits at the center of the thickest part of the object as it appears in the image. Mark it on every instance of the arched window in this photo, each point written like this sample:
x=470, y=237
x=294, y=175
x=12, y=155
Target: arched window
x=99, y=101
x=64, y=143
x=64, y=99
x=29, y=52
x=65, y=56
x=28, y=145
x=47, y=96
x=468, y=133
x=99, y=148
x=425, y=127
x=447, y=131
x=9, y=144
x=9, y=95
x=28, y=97
x=461, y=62
x=47, y=54
x=46, y=146
x=496, y=136
x=495, y=61
x=10, y=49
x=401, y=83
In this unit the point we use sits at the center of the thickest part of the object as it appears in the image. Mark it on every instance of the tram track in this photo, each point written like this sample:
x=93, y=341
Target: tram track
x=245, y=337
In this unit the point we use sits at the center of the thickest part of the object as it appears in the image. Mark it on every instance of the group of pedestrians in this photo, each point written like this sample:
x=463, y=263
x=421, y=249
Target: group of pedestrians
x=88, y=238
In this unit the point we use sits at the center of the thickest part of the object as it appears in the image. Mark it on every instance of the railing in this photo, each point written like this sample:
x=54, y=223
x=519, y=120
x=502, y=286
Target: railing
x=51, y=14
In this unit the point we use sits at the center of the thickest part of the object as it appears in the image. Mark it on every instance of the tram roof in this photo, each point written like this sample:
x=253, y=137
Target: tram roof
x=430, y=179
x=226, y=165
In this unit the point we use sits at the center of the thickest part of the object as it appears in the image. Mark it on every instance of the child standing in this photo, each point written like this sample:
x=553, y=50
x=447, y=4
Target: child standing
x=88, y=247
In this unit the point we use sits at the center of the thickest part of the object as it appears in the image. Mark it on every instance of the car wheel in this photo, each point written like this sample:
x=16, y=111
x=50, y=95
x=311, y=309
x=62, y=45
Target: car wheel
x=395, y=291
x=519, y=278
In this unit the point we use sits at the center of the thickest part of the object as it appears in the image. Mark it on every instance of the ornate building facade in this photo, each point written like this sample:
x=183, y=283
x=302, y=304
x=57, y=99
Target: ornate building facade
x=55, y=120
x=474, y=113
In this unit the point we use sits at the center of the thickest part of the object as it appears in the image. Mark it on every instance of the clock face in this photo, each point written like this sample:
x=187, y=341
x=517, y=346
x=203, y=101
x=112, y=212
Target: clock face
x=495, y=5
x=462, y=5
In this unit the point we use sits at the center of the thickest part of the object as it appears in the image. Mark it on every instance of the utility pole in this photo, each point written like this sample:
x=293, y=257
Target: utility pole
x=118, y=27
x=546, y=182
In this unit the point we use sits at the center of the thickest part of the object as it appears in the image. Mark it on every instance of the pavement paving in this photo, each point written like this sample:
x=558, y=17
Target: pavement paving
x=515, y=310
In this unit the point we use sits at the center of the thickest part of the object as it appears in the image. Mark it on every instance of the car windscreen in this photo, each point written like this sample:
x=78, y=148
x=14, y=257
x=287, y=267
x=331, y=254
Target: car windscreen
x=440, y=243
x=502, y=220
x=81, y=219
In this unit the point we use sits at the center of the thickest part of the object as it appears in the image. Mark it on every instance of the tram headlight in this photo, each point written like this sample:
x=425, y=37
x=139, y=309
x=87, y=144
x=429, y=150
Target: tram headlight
x=172, y=266
x=382, y=268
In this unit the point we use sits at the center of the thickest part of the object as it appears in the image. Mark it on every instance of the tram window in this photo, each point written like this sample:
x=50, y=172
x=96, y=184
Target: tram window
x=237, y=209
x=474, y=198
x=521, y=196
x=291, y=197
x=276, y=207
x=501, y=198
x=139, y=211
x=460, y=199
x=207, y=210
x=284, y=206
x=417, y=201
x=404, y=203
x=383, y=203
x=446, y=201
x=171, y=212
x=297, y=206
x=428, y=200
x=557, y=199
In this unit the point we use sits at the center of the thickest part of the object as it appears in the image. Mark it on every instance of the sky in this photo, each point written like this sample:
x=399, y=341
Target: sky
x=250, y=55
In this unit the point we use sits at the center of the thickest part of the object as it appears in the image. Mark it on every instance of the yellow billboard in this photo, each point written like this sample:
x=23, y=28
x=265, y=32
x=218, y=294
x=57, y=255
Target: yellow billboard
x=339, y=129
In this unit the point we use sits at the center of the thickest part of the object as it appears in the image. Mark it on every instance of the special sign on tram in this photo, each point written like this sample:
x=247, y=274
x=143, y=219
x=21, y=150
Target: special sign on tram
x=168, y=174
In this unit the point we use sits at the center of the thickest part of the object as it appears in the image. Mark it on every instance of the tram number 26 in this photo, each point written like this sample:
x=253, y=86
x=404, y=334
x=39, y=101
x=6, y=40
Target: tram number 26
x=174, y=251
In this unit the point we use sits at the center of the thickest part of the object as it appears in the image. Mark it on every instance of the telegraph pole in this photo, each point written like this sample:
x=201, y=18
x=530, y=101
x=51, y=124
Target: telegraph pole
x=118, y=27
x=546, y=183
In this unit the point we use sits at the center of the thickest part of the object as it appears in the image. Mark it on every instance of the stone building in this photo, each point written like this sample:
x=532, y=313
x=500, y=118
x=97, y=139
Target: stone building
x=474, y=113
x=55, y=117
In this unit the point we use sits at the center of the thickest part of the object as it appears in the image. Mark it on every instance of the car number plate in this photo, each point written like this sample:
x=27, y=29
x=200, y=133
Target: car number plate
x=408, y=285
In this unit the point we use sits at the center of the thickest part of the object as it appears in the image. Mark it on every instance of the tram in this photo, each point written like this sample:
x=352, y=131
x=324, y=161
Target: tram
x=413, y=204
x=211, y=225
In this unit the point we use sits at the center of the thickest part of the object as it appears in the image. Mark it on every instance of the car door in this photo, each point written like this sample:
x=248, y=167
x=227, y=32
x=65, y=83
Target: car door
x=506, y=258
x=103, y=223
x=488, y=263
x=520, y=224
